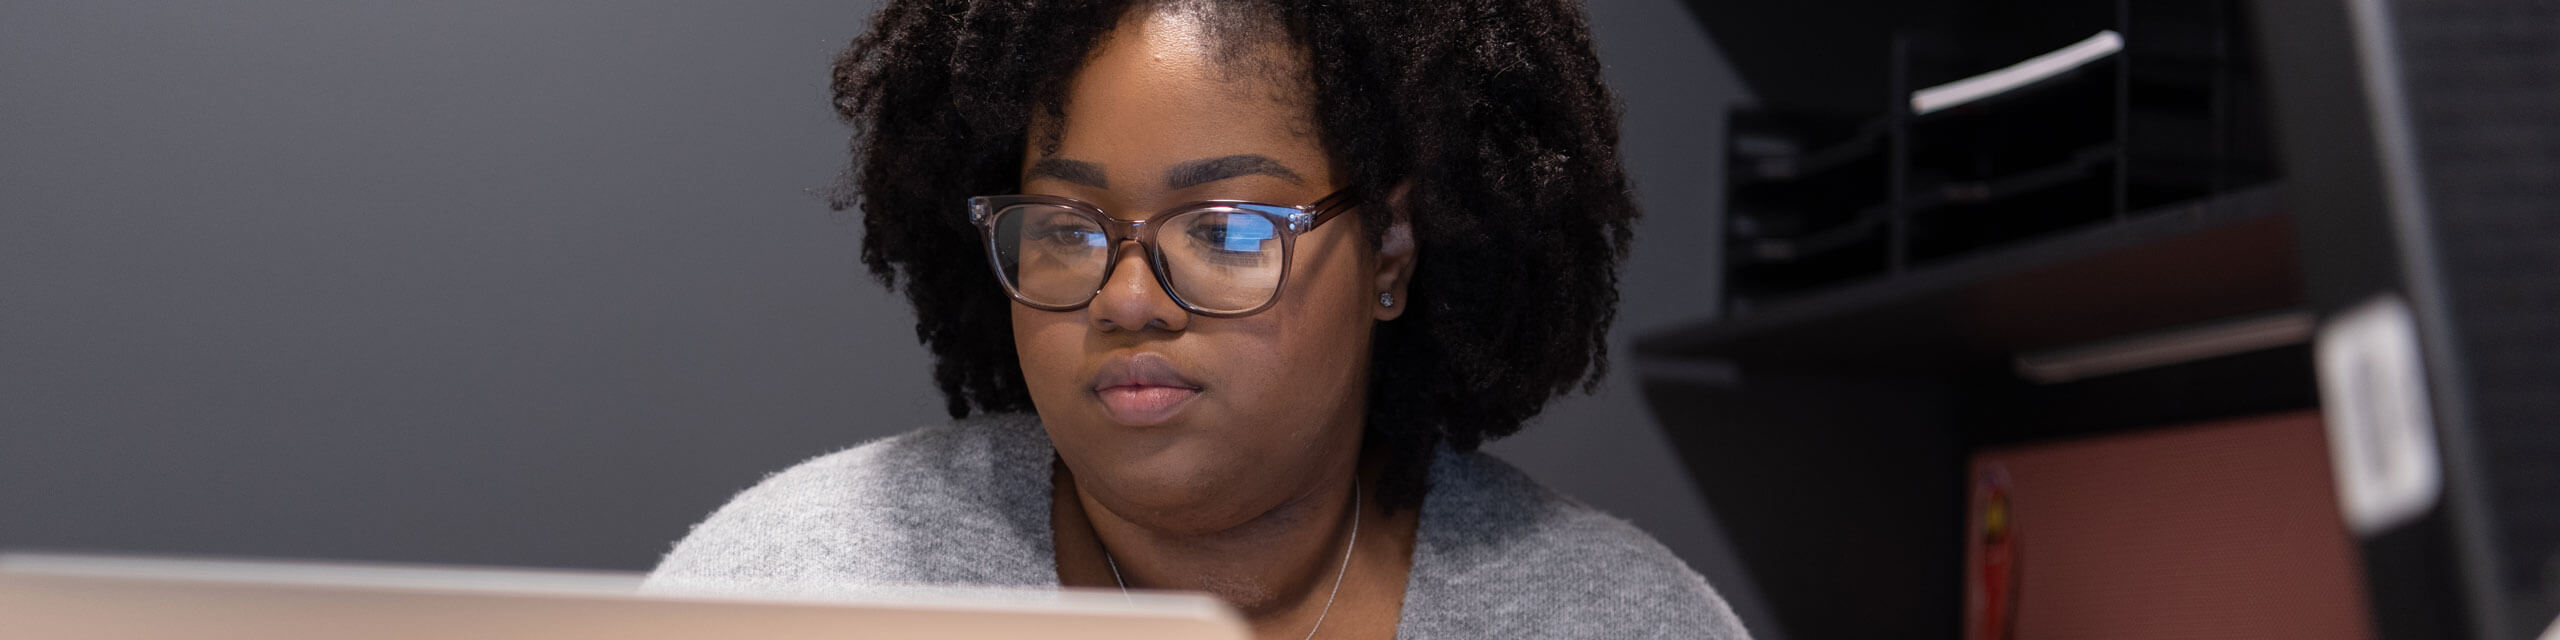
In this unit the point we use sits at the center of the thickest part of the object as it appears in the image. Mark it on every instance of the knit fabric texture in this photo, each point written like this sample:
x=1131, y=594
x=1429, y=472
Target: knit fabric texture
x=967, y=505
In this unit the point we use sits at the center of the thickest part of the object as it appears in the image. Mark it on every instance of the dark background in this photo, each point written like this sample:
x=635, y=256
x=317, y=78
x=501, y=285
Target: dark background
x=541, y=284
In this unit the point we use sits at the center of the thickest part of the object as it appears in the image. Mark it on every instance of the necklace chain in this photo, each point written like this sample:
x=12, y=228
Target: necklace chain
x=1338, y=572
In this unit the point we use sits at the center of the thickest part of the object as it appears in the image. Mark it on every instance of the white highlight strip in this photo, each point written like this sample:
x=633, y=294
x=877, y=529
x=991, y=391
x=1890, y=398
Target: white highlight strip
x=2006, y=79
x=2166, y=348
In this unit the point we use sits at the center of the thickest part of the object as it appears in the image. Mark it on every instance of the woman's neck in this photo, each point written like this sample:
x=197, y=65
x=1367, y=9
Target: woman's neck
x=1279, y=568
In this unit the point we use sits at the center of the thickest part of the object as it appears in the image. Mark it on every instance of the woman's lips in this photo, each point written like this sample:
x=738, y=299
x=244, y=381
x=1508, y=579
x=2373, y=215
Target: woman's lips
x=1143, y=406
x=1142, y=389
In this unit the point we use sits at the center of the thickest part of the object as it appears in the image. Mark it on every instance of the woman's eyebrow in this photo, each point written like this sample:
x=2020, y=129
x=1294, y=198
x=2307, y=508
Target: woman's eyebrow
x=1204, y=171
x=1076, y=171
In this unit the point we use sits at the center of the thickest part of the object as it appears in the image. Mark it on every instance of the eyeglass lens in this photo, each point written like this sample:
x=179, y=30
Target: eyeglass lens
x=1219, y=259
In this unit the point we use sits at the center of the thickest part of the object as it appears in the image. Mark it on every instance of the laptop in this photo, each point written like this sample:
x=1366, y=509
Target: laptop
x=82, y=597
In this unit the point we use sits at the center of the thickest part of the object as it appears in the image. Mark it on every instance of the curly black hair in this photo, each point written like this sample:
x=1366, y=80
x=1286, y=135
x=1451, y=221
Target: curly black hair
x=1491, y=110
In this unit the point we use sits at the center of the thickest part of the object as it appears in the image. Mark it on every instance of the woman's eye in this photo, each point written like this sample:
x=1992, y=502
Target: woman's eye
x=1226, y=237
x=1066, y=236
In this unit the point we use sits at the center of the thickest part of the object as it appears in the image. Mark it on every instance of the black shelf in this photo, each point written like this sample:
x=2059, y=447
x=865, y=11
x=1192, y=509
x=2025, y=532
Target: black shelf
x=1831, y=430
x=2215, y=258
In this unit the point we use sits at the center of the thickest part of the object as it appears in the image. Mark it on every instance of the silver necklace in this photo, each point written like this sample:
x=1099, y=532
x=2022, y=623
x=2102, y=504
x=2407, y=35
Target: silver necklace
x=1347, y=546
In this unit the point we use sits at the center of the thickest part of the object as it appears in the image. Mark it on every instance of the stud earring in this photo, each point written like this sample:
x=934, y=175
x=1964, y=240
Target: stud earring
x=1386, y=299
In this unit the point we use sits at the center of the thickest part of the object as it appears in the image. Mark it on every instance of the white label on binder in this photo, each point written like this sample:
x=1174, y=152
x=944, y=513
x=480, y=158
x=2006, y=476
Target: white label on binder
x=2382, y=439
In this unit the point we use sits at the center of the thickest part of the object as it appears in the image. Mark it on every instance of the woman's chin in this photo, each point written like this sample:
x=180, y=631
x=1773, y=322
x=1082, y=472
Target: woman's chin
x=1181, y=496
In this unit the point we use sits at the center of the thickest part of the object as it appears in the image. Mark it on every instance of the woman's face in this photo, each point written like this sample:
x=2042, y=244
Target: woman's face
x=1187, y=423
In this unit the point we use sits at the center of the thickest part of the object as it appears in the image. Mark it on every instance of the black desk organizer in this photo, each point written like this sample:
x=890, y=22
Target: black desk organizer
x=1819, y=199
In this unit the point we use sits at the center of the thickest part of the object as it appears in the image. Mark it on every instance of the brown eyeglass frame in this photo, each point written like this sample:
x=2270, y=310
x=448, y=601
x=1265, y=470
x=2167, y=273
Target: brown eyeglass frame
x=1293, y=221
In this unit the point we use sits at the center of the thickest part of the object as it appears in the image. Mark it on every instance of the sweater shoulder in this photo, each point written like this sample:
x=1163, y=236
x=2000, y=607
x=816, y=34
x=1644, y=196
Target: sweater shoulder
x=964, y=503
x=1509, y=557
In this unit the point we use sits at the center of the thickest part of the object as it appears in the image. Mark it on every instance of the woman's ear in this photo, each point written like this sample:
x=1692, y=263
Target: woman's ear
x=1396, y=255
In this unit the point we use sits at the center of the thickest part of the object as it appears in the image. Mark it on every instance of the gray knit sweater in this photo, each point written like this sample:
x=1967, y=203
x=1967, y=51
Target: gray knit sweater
x=967, y=504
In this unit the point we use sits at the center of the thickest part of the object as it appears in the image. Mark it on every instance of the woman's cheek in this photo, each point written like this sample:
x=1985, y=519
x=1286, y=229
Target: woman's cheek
x=1050, y=350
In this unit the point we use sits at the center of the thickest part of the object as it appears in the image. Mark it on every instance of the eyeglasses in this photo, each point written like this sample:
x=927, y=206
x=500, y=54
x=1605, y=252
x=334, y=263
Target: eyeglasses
x=1223, y=259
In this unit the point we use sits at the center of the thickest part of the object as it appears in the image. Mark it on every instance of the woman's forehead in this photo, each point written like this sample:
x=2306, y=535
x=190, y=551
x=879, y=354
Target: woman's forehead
x=1159, y=91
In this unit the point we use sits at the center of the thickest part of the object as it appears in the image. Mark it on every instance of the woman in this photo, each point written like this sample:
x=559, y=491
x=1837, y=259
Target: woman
x=1226, y=295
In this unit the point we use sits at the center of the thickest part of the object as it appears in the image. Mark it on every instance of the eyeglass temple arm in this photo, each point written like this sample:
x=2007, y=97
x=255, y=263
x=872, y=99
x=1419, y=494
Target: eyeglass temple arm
x=1325, y=209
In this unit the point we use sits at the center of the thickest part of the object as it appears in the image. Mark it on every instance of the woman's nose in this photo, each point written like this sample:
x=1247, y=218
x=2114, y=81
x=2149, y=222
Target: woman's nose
x=1131, y=299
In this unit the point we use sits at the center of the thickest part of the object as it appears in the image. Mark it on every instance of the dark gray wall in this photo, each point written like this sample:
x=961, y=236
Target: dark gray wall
x=481, y=281
x=1605, y=448
x=538, y=283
